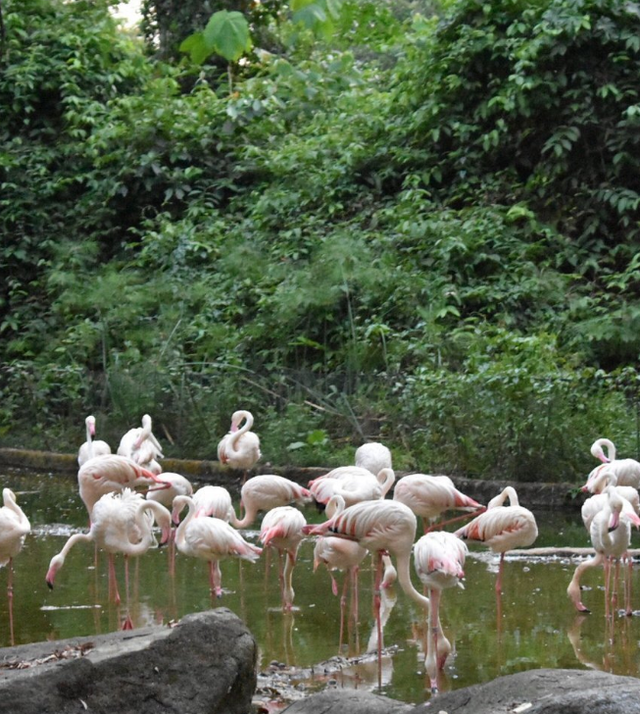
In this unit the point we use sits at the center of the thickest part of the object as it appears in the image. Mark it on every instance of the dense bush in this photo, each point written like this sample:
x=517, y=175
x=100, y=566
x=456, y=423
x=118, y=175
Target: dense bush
x=420, y=230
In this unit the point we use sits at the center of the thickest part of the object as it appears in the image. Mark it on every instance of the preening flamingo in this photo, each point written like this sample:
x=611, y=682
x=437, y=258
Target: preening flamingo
x=282, y=529
x=120, y=523
x=374, y=457
x=430, y=496
x=596, y=503
x=214, y=501
x=177, y=485
x=267, y=491
x=439, y=562
x=211, y=539
x=91, y=447
x=111, y=473
x=353, y=483
x=240, y=447
x=382, y=527
x=610, y=533
x=502, y=527
x=141, y=445
x=14, y=528
x=626, y=470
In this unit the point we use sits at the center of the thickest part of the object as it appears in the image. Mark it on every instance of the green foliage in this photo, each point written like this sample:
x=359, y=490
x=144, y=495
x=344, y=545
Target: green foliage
x=226, y=34
x=363, y=240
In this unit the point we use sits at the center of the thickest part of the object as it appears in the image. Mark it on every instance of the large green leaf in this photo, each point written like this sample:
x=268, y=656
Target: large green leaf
x=196, y=46
x=228, y=34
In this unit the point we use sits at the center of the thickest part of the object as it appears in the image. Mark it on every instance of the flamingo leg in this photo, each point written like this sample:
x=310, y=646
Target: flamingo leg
x=607, y=586
x=215, y=579
x=128, y=622
x=616, y=583
x=499, y=579
x=343, y=602
x=376, y=607
x=354, y=601
x=432, y=642
x=113, y=579
x=10, y=599
x=628, y=586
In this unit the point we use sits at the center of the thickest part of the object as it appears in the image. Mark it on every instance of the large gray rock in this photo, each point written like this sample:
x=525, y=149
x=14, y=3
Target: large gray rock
x=548, y=691
x=348, y=701
x=206, y=664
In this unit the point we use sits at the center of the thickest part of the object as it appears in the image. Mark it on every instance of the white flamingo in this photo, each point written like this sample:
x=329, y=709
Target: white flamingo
x=610, y=532
x=502, y=527
x=439, y=562
x=121, y=523
x=109, y=474
x=374, y=457
x=267, y=491
x=240, y=447
x=431, y=496
x=91, y=447
x=282, y=529
x=626, y=470
x=141, y=445
x=383, y=527
x=211, y=539
x=353, y=483
x=14, y=528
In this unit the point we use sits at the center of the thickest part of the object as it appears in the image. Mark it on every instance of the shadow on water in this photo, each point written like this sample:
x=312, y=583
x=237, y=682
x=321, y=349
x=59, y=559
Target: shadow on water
x=534, y=625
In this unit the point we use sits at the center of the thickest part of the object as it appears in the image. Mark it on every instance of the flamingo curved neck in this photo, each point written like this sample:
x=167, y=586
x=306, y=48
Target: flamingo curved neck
x=181, y=500
x=404, y=578
x=236, y=435
x=510, y=493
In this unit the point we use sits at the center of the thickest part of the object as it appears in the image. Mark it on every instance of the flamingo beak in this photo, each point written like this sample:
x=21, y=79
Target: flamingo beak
x=615, y=521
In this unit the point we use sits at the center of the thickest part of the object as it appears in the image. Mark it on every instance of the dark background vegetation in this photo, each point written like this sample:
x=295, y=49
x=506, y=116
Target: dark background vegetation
x=412, y=222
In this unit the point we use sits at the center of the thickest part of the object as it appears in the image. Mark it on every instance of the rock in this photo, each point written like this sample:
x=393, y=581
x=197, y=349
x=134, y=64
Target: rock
x=206, y=664
x=543, y=691
x=353, y=701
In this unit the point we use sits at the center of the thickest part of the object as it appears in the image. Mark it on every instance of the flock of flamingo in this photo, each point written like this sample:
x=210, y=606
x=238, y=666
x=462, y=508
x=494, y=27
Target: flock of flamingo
x=360, y=519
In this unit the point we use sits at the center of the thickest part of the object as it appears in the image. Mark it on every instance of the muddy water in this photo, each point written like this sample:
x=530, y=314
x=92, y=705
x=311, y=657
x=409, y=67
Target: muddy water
x=532, y=625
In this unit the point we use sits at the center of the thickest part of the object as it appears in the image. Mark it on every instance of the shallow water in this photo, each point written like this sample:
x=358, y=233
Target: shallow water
x=533, y=625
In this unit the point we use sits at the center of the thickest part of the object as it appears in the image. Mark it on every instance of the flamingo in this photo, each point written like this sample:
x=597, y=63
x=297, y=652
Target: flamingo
x=439, y=561
x=134, y=441
x=354, y=484
x=213, y=501
x=211, y=539
x=502, y=528
x=610, y=532
x=627, y=470
x=111, y=473
x=596, y=503
x=383, y=527
x=267, y=491
x=91, y=447
x=282, y=529
x=374, y=457
x=177, y=485
x=240, y=447
x=430, y=496
x=120, y=523
x=14, y=528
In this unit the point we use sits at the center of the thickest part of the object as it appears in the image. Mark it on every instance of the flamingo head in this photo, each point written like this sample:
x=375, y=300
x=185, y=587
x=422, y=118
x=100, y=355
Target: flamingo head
x=54, y=566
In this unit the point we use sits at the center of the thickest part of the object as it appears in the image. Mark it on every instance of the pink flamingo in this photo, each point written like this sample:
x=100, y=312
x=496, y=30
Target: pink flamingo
x=111, y=473
x=92, y=447
x=354, y=484
x=211, y=539
x=282, y=529
x=502, y=528
x=141, y=445
x=267, y=491
x=240, y=447
x=439, y=561
x=610, y=532
x=177, y=485
x=383, y=527
x=626, y=470
x=14, y=528
x=430, y=496
x=121, y=523
x=596, y=503
x=374, y=457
